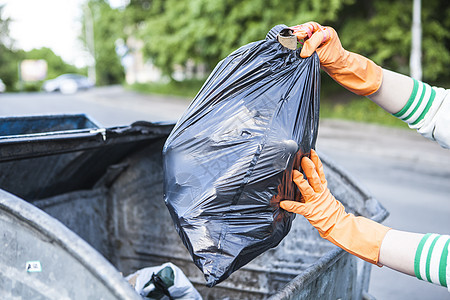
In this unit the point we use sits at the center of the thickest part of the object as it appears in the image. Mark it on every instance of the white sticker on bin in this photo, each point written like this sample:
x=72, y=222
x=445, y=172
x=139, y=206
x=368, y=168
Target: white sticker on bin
x=33, y=266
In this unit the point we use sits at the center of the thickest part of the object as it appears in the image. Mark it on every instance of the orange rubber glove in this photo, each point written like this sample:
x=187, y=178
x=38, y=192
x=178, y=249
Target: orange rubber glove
x=358, y=235
x=356, y=73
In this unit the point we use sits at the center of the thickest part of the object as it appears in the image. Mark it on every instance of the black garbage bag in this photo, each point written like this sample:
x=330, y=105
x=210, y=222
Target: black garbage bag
x=228, y=162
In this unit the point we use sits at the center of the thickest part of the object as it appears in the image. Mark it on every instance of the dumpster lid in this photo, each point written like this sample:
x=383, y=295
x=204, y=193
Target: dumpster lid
x=34, y=136
x=42, y=163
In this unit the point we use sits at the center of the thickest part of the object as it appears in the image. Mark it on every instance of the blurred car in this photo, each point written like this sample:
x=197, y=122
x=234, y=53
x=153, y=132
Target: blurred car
x=67, y=83
x=2, y=86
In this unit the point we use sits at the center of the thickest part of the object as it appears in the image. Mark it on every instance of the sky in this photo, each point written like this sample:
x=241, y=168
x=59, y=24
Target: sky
x=55, y=24
x=48, y=23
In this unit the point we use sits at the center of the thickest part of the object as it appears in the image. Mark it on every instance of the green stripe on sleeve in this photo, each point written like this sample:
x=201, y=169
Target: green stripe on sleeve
x=418, y=254
x=410, y=100
x=424, y=89
x=430, y=251
x=427, y=108
x=443, y=265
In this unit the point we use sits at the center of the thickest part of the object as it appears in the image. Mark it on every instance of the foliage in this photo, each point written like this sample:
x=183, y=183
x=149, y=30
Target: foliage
x=136, y=12
x=381, y=30
x=436, y=41
x=108, y=27
x=55, y=64
x=8, y=59
x=206, y=31
x=176, y=31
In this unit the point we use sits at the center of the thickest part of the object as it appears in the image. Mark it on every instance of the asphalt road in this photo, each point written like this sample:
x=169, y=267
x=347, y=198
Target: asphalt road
x=408, y=174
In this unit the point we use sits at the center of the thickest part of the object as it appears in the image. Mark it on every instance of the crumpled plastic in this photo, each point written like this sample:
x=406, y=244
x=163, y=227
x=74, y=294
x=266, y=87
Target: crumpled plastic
x=228, y=161
x=175, y=285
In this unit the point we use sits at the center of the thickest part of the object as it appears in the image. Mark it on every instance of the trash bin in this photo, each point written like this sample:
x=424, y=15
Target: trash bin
x=106, y=185
x=42, y=259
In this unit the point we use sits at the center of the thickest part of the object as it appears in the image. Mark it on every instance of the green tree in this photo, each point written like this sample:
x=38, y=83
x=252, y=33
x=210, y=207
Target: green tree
x=108, y=27
x=9, y=59
x=55, y=64
x=381, y=30
x=206, y=31
x=9, y=65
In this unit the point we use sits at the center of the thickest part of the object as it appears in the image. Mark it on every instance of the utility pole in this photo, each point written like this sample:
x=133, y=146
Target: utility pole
x=89, y=32
x=415, y=62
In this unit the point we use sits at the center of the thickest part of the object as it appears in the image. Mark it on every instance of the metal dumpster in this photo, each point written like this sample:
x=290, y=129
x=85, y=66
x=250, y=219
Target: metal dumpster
x=42, y=259
x=105, y=184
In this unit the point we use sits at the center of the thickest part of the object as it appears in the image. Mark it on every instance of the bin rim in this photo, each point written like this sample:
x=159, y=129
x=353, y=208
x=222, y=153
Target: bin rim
x=16, y=147
x=20, y=137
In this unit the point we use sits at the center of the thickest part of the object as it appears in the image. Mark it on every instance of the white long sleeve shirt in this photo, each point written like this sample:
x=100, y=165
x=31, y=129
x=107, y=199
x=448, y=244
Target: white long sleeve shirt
x=432, y=262
x=428, y=111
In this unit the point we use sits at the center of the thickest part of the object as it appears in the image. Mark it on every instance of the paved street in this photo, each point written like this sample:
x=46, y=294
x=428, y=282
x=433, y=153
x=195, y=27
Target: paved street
x=408, y=174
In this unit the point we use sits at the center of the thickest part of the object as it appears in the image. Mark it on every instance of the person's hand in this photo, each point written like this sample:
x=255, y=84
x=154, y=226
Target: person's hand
x=357, y=235
x=353, y=71
x=319, y=205
x=315, y=35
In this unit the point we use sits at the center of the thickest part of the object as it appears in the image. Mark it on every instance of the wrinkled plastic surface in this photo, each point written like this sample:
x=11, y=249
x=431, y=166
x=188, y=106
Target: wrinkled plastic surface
x=179, y=287
x=228, y=162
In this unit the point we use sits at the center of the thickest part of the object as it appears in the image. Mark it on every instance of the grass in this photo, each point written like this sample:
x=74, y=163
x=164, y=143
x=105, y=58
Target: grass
x=336, y=102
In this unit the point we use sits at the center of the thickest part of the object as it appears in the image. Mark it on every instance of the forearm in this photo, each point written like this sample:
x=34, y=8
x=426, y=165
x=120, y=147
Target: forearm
x=423, y=256
x=422, y=107
x=394, y=91
x=398, y=250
